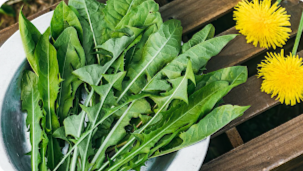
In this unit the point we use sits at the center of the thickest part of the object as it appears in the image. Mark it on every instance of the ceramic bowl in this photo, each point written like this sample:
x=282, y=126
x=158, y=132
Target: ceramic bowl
x=14, y=138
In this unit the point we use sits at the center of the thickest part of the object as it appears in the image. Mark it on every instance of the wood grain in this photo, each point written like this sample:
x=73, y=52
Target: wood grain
x=246, y=94
x=238, y=51
x=234, y=137
x=195, y=13
x=268, y=151
x=235, y=53
x=295, y=164
x=265, y=152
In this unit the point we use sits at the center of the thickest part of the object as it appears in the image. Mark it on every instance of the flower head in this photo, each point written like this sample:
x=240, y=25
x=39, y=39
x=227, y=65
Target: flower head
x=262, y=23
x=283, y=77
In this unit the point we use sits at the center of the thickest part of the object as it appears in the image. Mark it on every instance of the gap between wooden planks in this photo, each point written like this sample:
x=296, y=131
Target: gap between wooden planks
x=234, y=137
x=192, y=13
x=196, y=13
x=266, y=152
x=237, y=52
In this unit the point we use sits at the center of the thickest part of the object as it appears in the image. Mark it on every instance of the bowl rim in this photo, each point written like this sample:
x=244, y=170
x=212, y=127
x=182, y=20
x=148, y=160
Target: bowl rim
x=189, y=158
x=8, y=67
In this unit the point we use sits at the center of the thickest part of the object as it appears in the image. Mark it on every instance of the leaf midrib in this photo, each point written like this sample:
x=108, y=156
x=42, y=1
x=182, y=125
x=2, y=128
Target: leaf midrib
x=94, y=123
x=82, y=138
x=167, y=101
x=49, y=104
x=63, y=72
x=90, y=22
x=145, y=126
x=129, y=8
x=33, y=128
x=163, y=130
x=101, y=149
x=140, y=73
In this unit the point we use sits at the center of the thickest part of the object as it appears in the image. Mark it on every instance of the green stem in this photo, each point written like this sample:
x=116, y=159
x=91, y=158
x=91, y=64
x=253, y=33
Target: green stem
x=278, y=1
x=83, y=136
x=74, y=160
x=298, y=37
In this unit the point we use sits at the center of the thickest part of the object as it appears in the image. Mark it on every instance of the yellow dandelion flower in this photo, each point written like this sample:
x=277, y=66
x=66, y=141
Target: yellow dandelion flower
x=283, y=77
x=262, y=23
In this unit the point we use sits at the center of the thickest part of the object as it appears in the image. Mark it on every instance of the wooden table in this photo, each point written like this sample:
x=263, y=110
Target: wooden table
x=277, y=149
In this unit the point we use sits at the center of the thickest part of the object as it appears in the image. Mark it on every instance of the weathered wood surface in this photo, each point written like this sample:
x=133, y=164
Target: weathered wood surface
x=234, y=137
x=238, y=51
x=196, y=13
x=295, y=164
x=235, y=53
x=265, y=152
x=249, y=93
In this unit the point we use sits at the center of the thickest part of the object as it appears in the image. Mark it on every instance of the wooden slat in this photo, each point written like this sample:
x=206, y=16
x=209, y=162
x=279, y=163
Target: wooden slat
x=238, y=51
x=295, y=164
x=265, y=152
x=188, y=17
x=246, y=94
x=192, y=17
x=192, y=13
x=234, y=137
x=195, y=13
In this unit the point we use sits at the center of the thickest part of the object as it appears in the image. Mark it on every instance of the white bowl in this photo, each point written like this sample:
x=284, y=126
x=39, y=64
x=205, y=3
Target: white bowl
x=14, y=139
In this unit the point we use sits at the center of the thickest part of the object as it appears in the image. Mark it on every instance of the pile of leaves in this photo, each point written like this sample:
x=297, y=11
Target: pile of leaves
x=111, y=86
